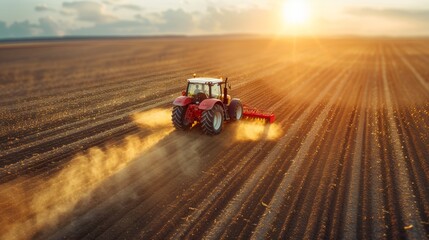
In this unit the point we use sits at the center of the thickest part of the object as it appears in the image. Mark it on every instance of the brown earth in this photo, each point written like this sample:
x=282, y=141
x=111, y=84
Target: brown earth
x=87, y=149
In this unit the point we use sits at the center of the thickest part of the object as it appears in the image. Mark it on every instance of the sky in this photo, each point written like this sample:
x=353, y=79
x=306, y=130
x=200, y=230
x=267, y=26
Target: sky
x=51, y=18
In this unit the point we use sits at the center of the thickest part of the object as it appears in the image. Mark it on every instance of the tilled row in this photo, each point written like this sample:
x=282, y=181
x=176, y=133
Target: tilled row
x=351, y=161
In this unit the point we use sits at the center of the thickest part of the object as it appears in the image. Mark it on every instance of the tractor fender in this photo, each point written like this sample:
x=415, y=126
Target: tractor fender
x=208, y=104
x=182, y=101
x=235, y=100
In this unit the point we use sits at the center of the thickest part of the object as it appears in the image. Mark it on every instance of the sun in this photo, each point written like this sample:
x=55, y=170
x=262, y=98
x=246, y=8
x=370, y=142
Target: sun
x=296, y=12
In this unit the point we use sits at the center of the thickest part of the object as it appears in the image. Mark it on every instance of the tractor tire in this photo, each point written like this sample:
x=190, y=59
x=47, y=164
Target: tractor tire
x=212, y=120
x=235, y=110
x=178, y=118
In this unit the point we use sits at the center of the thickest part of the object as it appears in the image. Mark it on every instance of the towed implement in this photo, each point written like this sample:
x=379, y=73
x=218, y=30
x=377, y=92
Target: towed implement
x=251, y=113
x=205, y=102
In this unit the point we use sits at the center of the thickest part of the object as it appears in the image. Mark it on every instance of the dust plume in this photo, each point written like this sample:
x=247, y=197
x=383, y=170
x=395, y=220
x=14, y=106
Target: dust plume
x=153, y=118
x=254, y=130
x=30, y=205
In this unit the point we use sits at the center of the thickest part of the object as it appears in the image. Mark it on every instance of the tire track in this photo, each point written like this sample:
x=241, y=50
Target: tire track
x=378, y=225
x=417, y=177
x=353, y=195
x=408, y=209
x=412, y=69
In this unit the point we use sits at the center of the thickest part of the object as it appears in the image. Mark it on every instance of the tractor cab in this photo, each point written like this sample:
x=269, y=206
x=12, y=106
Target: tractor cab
x=200, y=89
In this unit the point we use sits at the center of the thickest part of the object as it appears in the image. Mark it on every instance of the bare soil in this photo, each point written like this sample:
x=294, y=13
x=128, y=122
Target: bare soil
x=87, y=149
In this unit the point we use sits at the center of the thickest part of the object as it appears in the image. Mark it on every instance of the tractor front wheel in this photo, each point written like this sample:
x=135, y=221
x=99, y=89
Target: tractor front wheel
x=235, y=110
x=178, y=118
x=212, y=120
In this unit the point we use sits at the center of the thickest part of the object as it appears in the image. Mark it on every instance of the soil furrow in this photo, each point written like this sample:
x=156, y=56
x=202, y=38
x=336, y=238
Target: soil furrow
x=409, y=212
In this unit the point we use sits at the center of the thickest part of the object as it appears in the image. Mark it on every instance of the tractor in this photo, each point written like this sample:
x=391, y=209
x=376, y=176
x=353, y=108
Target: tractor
x=206, y=101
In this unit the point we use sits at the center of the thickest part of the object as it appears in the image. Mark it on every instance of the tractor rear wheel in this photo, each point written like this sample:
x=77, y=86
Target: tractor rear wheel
x=212, y=120
x=178, y=118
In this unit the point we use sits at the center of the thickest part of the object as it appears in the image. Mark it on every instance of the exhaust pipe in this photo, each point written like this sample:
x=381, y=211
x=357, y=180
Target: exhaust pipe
x=225, y=92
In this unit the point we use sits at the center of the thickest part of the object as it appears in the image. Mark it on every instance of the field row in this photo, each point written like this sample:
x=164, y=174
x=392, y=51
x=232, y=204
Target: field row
x=346, y=158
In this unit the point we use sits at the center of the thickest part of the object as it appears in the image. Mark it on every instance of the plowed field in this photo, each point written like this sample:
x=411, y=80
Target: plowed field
x=87, y=148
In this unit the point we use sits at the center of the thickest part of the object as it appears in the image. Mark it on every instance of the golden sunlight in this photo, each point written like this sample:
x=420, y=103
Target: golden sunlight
x=295, y=12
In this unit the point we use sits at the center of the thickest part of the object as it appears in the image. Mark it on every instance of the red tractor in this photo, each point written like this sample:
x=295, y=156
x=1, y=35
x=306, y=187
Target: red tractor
x=205, y=102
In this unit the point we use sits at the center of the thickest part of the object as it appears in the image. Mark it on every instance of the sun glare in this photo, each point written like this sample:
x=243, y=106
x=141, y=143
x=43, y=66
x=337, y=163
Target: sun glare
x=295, y=12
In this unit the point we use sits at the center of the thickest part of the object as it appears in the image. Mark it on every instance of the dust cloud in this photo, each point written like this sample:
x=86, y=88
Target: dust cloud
x=254, y=130
x=153, y=118
x=30, y=205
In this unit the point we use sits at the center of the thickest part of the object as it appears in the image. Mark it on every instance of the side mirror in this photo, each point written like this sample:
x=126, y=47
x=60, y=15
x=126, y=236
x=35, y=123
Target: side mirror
x=229, y=86
x=183, y=93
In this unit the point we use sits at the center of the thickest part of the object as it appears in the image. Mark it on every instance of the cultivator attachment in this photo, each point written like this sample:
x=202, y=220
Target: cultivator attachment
x=254, y=113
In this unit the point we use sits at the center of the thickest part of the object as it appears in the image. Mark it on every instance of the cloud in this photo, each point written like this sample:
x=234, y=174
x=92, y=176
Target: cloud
x=390, y=21
x=171, y=21
x=67, y=13
x=166, y=22
x=111, y=2
x=87, y=11
x=90, y=18
x=43, y=8
x=176, y=21
x=4, y=31
x=131, y=7
x=102, y=24
x=46, y=27
x=139, y=17
x=22, y=29
x=415, y=15
x=242, y=21
x=117, y=28
x=49, y=27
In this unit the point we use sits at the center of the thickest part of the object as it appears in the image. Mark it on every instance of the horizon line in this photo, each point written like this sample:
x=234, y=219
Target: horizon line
x=256, y=35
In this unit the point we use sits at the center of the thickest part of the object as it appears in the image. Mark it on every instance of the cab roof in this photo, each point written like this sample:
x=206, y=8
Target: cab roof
x=204, y=80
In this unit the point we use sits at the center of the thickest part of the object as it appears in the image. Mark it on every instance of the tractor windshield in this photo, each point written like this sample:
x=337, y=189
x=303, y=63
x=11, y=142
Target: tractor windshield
x=195, y=88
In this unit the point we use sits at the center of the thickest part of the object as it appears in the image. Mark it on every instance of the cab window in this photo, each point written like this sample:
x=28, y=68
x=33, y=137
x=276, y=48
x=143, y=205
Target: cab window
x=194, y=88
x=216, y=92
